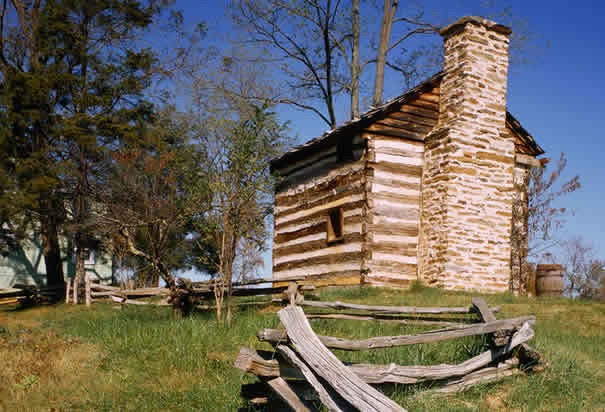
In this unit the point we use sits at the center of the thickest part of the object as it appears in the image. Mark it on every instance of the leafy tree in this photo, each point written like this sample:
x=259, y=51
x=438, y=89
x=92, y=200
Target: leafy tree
x=157, y=188
x=241, y=187
x=584, y=273
x=31, y=185
x=74, y=79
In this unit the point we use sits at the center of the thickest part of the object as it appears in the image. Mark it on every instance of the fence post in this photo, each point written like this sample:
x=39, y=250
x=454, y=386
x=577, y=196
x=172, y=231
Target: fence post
x=87, y=289
x=67, y=289
x=75, y=287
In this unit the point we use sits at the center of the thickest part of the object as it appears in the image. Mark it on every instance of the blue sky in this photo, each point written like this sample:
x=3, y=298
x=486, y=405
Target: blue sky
x=557, y=95
x=559, y=99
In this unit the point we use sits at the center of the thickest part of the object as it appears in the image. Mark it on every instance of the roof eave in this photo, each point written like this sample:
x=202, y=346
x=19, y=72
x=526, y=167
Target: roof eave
x=356, y=124
x=528, y=139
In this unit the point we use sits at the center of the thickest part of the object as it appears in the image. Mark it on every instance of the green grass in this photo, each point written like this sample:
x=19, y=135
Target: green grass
x=139, y=358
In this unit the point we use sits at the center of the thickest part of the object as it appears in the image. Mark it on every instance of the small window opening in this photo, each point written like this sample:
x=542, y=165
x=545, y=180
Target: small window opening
x=89, y=257
x=345, y=149
x=335, y=225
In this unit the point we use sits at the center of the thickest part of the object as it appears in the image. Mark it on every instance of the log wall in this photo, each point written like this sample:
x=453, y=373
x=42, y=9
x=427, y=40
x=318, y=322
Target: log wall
x=394, y=172
x=310, y=189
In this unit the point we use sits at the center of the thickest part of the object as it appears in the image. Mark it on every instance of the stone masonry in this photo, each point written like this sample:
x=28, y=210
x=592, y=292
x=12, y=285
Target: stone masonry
x=468, y=176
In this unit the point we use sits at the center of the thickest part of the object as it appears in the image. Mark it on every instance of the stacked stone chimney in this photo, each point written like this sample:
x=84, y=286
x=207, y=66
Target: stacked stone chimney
x=467, y=186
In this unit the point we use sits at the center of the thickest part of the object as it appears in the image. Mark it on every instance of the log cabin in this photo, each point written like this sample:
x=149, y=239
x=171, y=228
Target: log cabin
x=428, y=187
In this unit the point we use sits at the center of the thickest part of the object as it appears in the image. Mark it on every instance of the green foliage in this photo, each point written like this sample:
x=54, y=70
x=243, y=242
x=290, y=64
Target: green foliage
x=74, y=84
x=156, y=189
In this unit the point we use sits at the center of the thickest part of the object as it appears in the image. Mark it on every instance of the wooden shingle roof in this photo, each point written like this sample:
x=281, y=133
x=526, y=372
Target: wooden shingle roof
x=356, y=125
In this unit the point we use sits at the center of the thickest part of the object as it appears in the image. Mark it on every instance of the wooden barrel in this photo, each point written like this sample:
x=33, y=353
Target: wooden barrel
x=549, y=280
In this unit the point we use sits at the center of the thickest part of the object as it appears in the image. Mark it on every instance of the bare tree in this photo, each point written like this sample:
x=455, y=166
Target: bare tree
x=537, y=217
x=318, y=47
x=325, y=48
x=545, y=215
x=584, y=273
x=388, y=15
x=299, y=36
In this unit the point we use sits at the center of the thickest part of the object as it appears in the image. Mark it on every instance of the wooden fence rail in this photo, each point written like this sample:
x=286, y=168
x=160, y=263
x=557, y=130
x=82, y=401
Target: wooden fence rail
x=302, y=369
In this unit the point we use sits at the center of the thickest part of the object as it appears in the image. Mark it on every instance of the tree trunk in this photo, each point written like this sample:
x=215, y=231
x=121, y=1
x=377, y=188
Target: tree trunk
x=219, y=293
x=51, y=249
x=80, y=259
x=390, y=8
x=355, y=62
x=229, y=276
x=328, y=65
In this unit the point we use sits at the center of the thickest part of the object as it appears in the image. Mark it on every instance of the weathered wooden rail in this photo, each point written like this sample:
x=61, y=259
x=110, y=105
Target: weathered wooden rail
x=202, y=290
x=29, y=294
x=303, y=373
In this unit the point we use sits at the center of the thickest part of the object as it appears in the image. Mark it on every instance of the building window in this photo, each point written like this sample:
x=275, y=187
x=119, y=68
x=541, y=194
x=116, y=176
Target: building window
x=335, y=227
x=89, y=257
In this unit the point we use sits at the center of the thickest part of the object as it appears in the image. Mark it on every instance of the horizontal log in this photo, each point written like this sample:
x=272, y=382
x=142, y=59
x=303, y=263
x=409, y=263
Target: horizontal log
x=397, y=269
x=384, y=129
x=98, y=286
x=396, y=248
x=320, y=214
x=248, y=360
x=397, y=168
x=393, y=184
x=144, y=292
x=416, y=310
x=345, y=258
x=418, y=110
x=481, y=376
x=317, y=172
x=246, y=291
x=334, y=195
x=313, y=245
x=401, y=229
x=274, y=336
x=390, y=200
x=120, y=299
x=14, y=292
x=379, y=318
x=431, y=96
x=408, y=125
x=212, y=282
x=415, y=118
x=319, y=188
x=393, y=373
x=326, y=275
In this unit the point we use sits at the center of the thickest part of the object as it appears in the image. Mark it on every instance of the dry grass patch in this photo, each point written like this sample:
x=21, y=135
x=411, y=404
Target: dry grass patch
x=36, y=361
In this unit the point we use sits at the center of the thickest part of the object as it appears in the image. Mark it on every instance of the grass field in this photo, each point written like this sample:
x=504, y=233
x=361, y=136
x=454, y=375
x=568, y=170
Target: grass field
x=71, y=358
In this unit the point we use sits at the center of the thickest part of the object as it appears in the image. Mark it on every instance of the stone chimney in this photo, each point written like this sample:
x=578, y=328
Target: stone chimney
x=467, y=188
